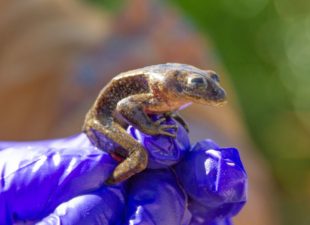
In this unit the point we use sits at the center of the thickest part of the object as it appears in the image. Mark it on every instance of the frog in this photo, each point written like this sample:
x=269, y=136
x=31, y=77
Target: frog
x=130, y=98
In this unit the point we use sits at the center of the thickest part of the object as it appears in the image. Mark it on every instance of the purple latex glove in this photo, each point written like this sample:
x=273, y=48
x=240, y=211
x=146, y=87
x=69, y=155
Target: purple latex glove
x=163, y=151
x=216, y=185
x=212, y=177
x=36, y=177
x=60, y=182
x=155, y=197
x=100, y=207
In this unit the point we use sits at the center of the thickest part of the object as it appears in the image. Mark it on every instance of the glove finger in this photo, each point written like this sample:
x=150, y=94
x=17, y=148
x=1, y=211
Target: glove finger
x=215, y=178
x=154, y=198
x=103, y=207
x=164, y=151
x=202, y=215
x=36, y=178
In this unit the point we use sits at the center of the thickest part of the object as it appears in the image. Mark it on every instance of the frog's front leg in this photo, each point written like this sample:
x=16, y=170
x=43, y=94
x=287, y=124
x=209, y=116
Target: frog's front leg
x=133, y=110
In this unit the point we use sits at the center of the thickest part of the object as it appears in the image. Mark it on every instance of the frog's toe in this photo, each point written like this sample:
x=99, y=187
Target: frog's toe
x=167, y=133
x=159, y=121
x=168, y=126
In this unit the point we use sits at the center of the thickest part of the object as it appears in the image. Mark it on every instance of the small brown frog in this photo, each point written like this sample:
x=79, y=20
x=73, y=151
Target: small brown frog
x=130, y=97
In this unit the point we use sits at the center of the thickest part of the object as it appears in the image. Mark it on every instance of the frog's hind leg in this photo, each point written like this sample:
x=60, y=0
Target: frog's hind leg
x=137, y=158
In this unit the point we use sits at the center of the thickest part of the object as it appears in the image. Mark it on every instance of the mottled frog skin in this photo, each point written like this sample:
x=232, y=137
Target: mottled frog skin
x=130, y=97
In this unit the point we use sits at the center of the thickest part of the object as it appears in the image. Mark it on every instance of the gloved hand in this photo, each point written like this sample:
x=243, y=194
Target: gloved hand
x=62, y=176
x=216, y=182
x=61, y=182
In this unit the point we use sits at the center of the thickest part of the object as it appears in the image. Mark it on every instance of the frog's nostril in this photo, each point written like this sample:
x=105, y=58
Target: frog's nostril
x=221, y=95
x=218, y=94
x=214, y=92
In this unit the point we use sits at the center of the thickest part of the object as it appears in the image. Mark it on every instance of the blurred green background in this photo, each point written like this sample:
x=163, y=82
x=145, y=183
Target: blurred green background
x=265, y=47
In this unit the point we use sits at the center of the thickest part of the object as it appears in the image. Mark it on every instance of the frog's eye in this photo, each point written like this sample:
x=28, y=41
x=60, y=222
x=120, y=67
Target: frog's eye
x=215, y=77
x=197, y=81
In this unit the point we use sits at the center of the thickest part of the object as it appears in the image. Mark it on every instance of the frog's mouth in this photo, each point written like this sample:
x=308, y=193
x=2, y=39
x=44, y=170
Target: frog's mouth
x=219, y=103
x=213, y=103
x=214, y=97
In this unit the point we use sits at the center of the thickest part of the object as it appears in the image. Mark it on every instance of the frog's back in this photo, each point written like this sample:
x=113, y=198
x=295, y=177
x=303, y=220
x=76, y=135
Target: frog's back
x=163, y=68
x=160, y=69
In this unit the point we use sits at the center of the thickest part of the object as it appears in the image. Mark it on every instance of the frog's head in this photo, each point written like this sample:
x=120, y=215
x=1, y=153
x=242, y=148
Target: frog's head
x=195, y=85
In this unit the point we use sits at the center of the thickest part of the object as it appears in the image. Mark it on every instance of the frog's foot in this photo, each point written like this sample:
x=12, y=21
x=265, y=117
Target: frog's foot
x=178, y=118
x=164, y=128
x=158, y=127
